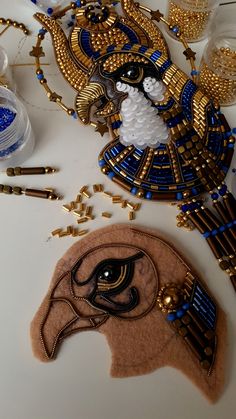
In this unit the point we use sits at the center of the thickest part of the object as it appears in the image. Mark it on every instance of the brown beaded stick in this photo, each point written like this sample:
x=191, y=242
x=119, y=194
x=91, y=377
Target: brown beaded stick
x=20, y=171
x=37, y=193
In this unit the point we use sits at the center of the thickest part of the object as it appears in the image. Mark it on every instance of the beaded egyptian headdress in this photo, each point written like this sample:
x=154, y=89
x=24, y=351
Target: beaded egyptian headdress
x=169, y=141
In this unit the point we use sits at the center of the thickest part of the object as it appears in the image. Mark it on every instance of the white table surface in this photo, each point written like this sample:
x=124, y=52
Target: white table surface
x=77, y=384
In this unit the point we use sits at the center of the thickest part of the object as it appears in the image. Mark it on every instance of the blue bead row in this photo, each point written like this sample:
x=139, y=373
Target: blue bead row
x=179, y=313
x=191, y=207
x=220, y=229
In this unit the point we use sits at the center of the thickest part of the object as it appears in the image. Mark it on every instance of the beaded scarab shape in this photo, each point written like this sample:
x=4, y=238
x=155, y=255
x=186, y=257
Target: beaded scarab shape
x=169, y=141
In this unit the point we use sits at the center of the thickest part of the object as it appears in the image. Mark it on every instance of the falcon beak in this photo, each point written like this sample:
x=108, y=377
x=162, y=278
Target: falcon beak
x=60, y=315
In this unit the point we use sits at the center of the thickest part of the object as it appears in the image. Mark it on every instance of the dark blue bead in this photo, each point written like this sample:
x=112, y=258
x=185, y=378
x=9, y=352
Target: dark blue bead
x=111, y=175
x=78, y=3
x=149, y=195
x=186, y=306
x=175, y=29
x=134, y=191
x=234, y=130
x=195, y=73
x=230, y=225
x=185, y=207
x=223, y=190
x=34, y=1
x=102, y=162
x=206, y=234
x=215, y=196
x=222, y=228
x=171, y=317
x=214, y=232
x=231, y=145
x=179, y=196
x=180, y=313
x=40, y=76
x=50, y=10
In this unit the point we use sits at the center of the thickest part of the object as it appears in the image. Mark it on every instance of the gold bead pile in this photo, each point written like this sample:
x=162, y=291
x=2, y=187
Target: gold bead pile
x=218, y=76
x=84, y=212
x=193, y=24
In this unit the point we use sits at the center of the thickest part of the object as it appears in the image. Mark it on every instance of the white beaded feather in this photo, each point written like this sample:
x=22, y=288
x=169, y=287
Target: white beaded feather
x=141, y=124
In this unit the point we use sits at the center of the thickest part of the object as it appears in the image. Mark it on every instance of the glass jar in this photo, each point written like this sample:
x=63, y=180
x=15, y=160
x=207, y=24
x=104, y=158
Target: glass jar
x=6, y=79
x=50, y=6
x=218, y=68
x=16, y=136
x=193, y=17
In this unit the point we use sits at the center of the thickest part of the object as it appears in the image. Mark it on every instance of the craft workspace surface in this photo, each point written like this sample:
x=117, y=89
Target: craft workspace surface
x=77, y=385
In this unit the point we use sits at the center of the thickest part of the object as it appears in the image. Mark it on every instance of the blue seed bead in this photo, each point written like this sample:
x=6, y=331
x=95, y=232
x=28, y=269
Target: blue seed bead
x=78, y=3
x=234, y=130
x=40, y=76
x=215, y=196
x=195, y=73
x=171, y=317
x=222, y=228
x=34, y=1
x=74, y=115
x=42, y=31
x=230, y=224
x=214, y=232
x=149, y=195
x=185, y=208
x=223, y=190
x=206, y=234
x=102, y=162
x=134, y=191
x=180, y=313
x=175, y=29
x=111, y=175
x=50, y=10
x=186, y=306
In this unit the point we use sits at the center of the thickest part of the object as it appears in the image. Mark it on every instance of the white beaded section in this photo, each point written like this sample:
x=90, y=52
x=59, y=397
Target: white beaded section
x=141, y=124
x=155, y=89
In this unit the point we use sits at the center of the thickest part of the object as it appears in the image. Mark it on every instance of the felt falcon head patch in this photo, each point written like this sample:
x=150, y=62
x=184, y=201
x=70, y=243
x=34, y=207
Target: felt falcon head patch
x=132, y=286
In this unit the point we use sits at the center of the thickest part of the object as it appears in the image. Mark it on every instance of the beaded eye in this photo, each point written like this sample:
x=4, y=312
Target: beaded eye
x=132, y=74
x=109, y=273
x=115, y=274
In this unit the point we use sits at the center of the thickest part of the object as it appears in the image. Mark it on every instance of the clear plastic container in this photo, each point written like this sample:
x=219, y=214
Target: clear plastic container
x=16, y=135
x=51, y=6
x=6, y=79
x=218, y=68
x=193, y=17
x=224, y=20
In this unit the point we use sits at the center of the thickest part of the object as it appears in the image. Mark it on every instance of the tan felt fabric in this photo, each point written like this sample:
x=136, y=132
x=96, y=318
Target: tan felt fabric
x=141, y=340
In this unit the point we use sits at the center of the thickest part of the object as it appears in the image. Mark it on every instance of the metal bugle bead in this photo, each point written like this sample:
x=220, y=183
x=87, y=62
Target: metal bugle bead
x=19, y=171
x=37, y=193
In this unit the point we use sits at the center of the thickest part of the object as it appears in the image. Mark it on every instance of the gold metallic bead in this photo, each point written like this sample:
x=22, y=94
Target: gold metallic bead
x=170, y=297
